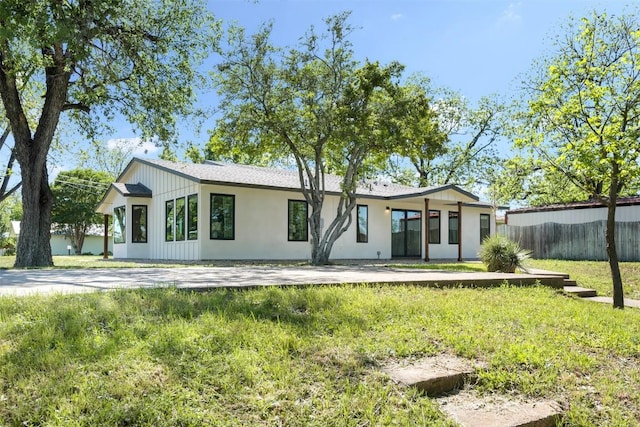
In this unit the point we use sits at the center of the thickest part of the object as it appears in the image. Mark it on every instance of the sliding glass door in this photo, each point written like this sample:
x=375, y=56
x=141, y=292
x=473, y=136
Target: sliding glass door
x=406, y=233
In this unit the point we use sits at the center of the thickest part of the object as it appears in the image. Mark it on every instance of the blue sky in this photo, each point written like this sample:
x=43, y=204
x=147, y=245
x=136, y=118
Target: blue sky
x=476, y=47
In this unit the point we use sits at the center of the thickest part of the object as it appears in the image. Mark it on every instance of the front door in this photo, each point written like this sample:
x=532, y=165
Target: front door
x=406, y=233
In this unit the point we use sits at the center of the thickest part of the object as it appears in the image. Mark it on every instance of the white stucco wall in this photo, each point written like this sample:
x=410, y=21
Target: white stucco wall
x=261, y=228
x=574, y=216
x=93, y=244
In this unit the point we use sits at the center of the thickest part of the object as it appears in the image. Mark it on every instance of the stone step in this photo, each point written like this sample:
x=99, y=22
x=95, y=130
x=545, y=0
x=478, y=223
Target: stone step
x=580, y=291
x=569, y=282
x=445, y=375
x=470, y=410
x=433, y=376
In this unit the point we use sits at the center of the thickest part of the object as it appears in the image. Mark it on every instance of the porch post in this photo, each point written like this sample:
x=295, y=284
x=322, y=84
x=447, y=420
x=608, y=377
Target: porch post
x=105, y=252
x=426, y=229
x=459, y=231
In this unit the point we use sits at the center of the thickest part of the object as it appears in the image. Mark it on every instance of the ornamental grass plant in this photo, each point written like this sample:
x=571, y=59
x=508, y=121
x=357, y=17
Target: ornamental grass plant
x=501, y=254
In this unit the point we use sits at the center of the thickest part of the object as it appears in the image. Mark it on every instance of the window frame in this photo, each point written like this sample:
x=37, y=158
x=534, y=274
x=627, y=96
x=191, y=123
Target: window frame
x=172, y=224
x=233, y=216
x=488, y=229
x=439, y=229
x=453, y=238
x=144, y=237
x=192, y=218
x=359, y=237
x=122, y=226
x=180, y=231
x=306, y=222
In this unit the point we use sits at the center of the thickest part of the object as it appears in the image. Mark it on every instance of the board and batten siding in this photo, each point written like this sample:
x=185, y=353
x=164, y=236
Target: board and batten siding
x=164, y=186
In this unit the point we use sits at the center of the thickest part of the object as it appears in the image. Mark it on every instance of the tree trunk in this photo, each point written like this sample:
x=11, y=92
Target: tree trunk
x=34, y=248
x=618, y=294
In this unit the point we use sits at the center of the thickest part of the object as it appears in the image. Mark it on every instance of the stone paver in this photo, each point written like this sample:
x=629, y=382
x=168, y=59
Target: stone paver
x=634, y=303
x=432, y=375
x=469, y=410
x=22, y=282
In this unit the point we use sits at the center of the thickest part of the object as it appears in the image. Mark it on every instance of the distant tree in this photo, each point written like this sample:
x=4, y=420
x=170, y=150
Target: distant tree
x=583, y=116
x=76, y=194
x=111, y=159
x=10, y=210
x=468, y=138
x=94, y=60
x=314, y=104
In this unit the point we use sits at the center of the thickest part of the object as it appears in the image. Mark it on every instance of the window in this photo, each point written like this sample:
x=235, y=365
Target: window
x=297, y=221
x=119, y=226
x=434, y=226
x=139, y=224
x=169, y=215
x=453, y=227
x=363, y=224
x=180, y=218
x=223, y=212
x=485, y=228
x=192, y=217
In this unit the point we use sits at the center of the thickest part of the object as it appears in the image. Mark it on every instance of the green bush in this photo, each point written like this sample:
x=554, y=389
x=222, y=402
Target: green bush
x=499, y=253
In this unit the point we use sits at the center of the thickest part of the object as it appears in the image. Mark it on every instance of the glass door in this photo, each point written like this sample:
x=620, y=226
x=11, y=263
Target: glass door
x=406, y=233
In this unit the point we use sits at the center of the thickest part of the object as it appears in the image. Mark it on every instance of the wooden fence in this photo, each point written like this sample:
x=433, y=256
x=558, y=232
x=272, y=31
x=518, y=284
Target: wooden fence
x=575, y=241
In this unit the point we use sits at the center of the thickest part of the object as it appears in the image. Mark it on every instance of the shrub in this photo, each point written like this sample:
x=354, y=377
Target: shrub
x=499, y=253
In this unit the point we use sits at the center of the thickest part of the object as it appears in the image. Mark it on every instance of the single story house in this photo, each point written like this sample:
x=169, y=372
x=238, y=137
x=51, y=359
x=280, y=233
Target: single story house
x=575, y=230
x=222, y=211
x=61, y=245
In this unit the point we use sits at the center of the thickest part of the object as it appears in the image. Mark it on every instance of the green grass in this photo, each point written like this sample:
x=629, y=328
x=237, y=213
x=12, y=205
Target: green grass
x=595, y=274
x=305, y=357
x=450, y=266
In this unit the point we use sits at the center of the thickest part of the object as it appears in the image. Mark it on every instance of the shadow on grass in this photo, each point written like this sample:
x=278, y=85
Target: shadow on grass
x=49, y=333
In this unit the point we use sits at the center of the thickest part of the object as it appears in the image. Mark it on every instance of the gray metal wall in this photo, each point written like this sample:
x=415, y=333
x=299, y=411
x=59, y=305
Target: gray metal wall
x=575, y=241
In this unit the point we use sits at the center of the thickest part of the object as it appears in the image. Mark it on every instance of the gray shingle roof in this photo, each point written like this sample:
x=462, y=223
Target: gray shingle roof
x=256, y=176
x=132, y=190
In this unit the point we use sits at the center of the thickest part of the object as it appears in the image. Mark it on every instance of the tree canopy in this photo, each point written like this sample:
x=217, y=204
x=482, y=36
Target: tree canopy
x=137, y=58
x=76, y=194
x=583, y=115
x=467, y=138
x=317, y=107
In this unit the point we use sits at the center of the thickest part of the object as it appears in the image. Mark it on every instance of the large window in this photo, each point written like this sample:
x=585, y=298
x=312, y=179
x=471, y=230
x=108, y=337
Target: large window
x=485, y=227
x=169, y=215
x=119, y=225
x=363, y=224
x=453, y=227
x=192, y=217
x=180, y=218
x=222, y=217
x=434, y=226
x=297, y=221
x=139, y=224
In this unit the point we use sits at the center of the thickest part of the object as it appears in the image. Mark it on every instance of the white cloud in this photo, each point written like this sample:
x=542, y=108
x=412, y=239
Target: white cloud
x=397, y=16
x=136, y=146
x=512, y=13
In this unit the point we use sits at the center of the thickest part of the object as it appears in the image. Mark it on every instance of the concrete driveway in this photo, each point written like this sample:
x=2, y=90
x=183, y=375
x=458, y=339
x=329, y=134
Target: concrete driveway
x=24, y=282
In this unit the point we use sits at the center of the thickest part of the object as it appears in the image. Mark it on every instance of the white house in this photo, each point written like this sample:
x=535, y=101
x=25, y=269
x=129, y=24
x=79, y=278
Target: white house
x=60, y=244
x=221, y=211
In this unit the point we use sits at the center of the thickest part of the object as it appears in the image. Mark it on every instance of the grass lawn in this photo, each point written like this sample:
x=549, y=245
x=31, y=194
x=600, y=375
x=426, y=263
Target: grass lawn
x=305, y=357
x=595, y=274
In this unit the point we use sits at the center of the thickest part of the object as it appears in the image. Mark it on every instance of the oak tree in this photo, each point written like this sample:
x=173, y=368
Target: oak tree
x=316, y=106
x=95, y=60
x=76, y=194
